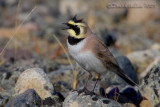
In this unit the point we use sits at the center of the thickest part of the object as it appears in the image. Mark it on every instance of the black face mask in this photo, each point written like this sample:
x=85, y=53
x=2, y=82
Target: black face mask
x=75, y=28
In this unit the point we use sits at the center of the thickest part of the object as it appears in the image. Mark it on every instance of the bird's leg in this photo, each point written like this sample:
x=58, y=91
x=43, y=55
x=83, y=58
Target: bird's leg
x=94, y=85
x=97, y=79
x=85, y=89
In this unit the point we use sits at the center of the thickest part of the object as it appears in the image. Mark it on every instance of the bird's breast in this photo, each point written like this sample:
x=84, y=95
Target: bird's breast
x=76, y=48
x=86, y=59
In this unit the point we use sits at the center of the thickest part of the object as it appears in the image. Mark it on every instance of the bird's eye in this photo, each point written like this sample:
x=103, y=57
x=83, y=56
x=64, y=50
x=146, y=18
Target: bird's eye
x=76, y=26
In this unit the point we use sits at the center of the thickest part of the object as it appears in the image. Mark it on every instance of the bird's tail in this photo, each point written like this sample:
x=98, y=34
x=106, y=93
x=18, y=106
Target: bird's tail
x=126, y=78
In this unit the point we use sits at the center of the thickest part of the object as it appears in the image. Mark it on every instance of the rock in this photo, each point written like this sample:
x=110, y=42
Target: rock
x=150, y=86
x=64, y=73
x=127, y=67
x=130, y=95
x=141, y=59
x=156, y=46
x=128, y=105
x=154, y=63
x=26, y=6
x=110, y=37
x=145, y=103
x=127, y=44
x=23, y=63
x=4, y=97
x=21, y=54
x=2, y=3
x=11, y=2
x=118, y=14
x=47, y=65
x=27, y=99
x=75, y=100
x=37, y=79
x=63, y=87
x=9, y=79
x=124, y=95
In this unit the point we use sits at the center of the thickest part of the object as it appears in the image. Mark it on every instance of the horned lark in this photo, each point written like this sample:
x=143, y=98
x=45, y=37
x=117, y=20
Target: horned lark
x=89, y=52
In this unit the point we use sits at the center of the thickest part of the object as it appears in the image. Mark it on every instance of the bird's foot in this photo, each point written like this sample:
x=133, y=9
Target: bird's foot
x=81, y=91
x=91, y=93
x=85, y=91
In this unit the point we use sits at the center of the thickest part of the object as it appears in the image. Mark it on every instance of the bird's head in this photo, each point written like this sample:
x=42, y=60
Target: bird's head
x=76, y=28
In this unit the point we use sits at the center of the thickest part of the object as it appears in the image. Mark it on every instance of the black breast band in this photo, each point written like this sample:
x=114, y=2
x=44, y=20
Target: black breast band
x=74, y=41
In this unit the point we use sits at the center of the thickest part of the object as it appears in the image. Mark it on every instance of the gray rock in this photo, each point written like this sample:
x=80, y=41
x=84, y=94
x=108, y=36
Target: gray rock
x=64, y=73
x=127, y=43
x=3, y=3
x=150, y=86
x=154, y=63
x=36, y=79
x=156, y=46
x=9, y=80
x=62, y=87
x=141, y=59
x=110, y=78
x=28, y=99
x=109, y=37
x=4, y=97
x=11, y=2
x=36, y=62
x=26, y=60
x=75, y=100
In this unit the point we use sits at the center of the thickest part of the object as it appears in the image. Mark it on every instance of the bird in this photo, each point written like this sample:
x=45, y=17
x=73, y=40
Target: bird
x=90, y=53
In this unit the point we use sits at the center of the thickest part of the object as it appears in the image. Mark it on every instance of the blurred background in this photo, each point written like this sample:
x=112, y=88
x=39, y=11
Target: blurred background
x=31, y=35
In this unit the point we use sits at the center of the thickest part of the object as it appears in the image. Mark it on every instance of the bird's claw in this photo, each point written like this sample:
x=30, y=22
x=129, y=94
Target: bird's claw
x=85, y=91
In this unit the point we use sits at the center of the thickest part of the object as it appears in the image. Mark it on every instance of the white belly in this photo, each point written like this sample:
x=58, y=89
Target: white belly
x=86, y=60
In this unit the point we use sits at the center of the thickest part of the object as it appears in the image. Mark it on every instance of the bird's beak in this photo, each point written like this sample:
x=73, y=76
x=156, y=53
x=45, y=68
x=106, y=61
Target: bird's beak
x=67, y=25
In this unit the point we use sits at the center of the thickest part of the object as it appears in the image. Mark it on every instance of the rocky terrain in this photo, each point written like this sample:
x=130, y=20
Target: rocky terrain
x=36, y=70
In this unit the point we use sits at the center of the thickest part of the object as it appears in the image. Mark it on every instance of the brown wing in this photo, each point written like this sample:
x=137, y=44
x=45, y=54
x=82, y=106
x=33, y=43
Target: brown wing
x=103, y=53
x=106, y=57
